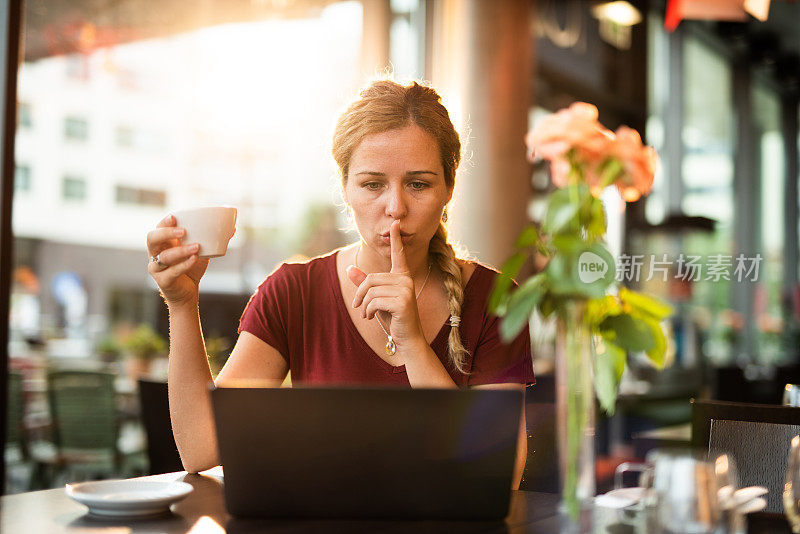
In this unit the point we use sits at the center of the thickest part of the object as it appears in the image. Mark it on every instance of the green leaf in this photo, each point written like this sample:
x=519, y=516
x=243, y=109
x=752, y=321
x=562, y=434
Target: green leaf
x=528, y=238
x=646, y=304
x=568, y=244
x=503, y=282
x=548, y=305
x=520, y=306
x=561, y=211
x=598, y=309
x=596, y=224
x=609, y=366
x=629, y=333
x=657, y=353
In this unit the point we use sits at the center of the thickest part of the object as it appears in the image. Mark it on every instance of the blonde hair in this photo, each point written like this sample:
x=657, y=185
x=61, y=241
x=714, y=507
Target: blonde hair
x=386, y=105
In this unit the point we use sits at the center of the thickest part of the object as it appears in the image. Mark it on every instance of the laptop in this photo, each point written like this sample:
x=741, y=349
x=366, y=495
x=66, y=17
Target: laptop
x=363, y=453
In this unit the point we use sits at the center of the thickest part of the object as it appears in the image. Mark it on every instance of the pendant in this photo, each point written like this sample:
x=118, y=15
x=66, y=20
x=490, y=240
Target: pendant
x=391, y=348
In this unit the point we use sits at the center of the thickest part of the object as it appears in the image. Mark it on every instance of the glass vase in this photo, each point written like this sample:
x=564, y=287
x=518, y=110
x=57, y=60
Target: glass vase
x=575, y=417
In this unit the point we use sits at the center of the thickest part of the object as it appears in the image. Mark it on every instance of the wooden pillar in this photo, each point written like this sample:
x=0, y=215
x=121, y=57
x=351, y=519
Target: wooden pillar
x=375, y=26
x=481, y=61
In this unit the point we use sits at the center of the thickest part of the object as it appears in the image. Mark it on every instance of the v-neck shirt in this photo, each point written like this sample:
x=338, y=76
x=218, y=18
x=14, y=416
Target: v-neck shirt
x=299, y=310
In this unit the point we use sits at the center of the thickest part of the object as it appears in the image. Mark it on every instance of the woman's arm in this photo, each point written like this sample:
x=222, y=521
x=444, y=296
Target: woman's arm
x=522, y=438
x=190, y=376
x=423, y=367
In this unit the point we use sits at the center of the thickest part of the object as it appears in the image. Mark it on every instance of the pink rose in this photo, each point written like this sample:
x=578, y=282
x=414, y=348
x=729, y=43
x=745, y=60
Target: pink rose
x=639, y=164
x=575, y=127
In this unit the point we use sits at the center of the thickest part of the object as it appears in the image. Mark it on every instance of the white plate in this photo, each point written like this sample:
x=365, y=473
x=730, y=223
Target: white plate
x=128, y=498
x=620, y=498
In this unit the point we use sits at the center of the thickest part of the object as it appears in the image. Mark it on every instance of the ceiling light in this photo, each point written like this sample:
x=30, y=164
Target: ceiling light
x=621, y=13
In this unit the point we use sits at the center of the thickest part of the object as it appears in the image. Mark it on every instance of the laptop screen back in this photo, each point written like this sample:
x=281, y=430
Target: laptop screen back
x=367, y=453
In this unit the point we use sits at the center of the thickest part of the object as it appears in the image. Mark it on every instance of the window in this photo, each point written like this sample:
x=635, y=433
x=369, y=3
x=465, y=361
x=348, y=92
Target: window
x=769, y=168
x=77, y=66
x=124, y=136
x=142, y=197
x=22, y=178
x=24, y=116
x=220, y=109
x=407, y=39
x=73, y=188
x=76, y=129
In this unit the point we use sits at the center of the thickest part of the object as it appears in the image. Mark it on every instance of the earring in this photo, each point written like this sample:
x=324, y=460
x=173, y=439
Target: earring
x=444, y=216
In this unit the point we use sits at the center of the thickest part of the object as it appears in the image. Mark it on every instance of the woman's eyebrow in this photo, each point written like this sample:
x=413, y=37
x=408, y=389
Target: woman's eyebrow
x=409, y=173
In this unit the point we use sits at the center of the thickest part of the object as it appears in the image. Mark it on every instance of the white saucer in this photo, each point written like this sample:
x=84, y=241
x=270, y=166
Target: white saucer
x=128, y=498
x=620, y=498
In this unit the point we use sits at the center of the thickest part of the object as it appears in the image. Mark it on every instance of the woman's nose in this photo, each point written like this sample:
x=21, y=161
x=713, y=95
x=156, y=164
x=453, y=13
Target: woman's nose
x=396, y=204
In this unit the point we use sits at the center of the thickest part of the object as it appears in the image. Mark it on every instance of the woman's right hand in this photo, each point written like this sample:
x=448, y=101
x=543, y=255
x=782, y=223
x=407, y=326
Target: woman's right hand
x=180, y=270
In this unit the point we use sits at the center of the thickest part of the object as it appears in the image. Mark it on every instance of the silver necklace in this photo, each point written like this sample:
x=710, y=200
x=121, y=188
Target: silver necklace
x=391, y=347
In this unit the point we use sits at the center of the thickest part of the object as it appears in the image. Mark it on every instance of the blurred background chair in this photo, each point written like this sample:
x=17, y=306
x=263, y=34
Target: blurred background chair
x=85, y=429
x=162, y=452
x=757, y=436
x=16, y=451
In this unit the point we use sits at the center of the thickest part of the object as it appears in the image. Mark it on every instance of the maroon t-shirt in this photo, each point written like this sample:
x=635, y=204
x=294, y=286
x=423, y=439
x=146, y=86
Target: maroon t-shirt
x=299, y=310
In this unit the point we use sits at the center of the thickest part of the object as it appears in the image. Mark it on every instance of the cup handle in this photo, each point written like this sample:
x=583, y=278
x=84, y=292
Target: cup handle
x=644, y=470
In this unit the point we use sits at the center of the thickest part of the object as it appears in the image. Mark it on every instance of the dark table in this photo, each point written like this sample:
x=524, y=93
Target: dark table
x=203, y=512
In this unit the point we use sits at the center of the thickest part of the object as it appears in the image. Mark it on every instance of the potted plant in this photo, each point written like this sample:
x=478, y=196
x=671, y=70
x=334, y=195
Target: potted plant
x=109, y=349
x=142, y=344
x=599, y=322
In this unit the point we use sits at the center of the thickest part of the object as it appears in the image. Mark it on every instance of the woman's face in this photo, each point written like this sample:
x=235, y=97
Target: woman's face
x=397, y=175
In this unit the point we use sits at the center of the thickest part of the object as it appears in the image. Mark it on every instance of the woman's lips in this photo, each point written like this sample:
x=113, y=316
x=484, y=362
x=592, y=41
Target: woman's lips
x=405, y=238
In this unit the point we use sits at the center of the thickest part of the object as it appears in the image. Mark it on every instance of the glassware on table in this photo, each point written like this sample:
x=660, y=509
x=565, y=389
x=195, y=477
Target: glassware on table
x=726, y=482
x=633, y=514
x=791, y=489
x=791, y=395
x=684, y=496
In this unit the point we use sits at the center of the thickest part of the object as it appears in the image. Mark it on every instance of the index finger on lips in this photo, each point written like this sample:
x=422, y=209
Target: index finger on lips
x=399, y=264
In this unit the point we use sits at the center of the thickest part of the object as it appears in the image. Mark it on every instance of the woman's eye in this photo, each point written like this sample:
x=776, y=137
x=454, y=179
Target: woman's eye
x=372, y=186
x=418, y=186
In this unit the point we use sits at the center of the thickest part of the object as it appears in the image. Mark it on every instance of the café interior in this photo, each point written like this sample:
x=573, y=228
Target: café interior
x=119, y=112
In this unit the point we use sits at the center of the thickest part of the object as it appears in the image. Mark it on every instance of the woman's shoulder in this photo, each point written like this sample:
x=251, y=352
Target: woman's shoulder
x=299, y=268
x=473, y=268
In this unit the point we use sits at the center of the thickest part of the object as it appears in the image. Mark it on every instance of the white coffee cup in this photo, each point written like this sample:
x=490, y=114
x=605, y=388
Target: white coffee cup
x=211, y=227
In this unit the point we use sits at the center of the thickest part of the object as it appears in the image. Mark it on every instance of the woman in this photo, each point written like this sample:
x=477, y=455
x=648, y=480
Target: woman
x=398, y=307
